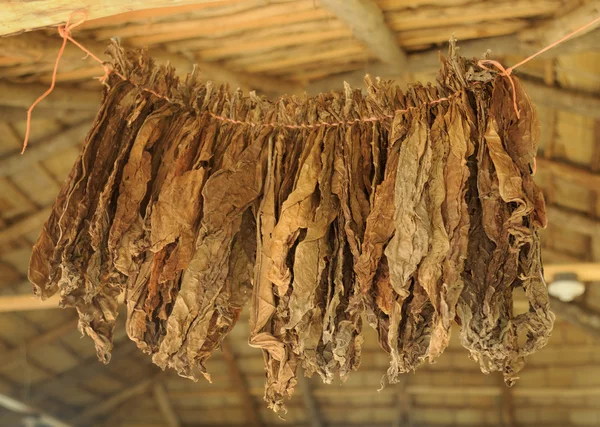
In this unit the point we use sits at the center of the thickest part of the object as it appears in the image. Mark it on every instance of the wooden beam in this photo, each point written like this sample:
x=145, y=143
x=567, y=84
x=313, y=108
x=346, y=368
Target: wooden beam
x=41, y=417
x=148, y=15
x=574, y=174
x=96, y=409
x=38, y=152
x=562, y=99
x=240, y=384
x=40, y=58
x=26, y=16
x=587, y=272
x=15, y=355
x=367, y=22
x=578, y=315
x=574, y=221
x=28, y=302
x=518, y=391
x=564, y=24
x=312, y=407
x=429, y=60
x=553, y=256
x=18, y=114
x=164, y=405
x=63, y=97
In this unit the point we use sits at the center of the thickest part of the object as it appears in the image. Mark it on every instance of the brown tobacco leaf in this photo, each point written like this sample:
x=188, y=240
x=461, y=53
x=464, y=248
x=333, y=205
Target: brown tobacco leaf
x=225, y=202
x=317, y=209
x=410, y=242
x=459, y=127
x=511, y=210
x=280, y=363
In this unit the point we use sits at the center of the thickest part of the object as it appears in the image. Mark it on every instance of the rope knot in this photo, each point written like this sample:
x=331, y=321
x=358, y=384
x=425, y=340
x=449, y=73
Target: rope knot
x=505, y=72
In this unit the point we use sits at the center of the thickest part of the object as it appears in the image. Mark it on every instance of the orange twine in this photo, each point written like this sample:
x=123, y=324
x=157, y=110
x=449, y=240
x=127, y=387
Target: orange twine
x=65, y=32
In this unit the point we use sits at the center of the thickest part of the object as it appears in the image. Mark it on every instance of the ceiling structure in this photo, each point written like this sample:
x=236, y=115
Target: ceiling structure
x=50, y=377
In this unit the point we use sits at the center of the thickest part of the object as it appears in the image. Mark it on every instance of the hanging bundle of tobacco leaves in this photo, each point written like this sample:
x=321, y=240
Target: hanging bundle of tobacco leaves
x=316, y=212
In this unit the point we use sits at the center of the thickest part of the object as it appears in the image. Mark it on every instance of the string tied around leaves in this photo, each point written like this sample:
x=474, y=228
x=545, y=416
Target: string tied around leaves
x=65, y=33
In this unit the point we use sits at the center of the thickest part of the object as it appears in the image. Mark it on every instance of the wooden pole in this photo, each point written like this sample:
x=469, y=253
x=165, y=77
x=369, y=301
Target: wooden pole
x=312, y=407
x=18, y=17
x=367, y=22
x=165, y=407
x=240, y=384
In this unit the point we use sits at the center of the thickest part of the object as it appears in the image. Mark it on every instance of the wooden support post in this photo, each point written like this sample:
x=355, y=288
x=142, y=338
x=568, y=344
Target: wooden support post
x=404, y=406
x=505, y=404
x=312, y=407
x=240, y=384
x=368, y=25
x=165, y=407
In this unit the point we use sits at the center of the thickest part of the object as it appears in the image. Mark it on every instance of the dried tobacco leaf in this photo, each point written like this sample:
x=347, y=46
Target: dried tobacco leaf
x=317, y=210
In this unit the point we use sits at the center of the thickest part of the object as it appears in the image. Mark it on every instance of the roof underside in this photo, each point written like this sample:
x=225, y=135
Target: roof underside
x=277, y=47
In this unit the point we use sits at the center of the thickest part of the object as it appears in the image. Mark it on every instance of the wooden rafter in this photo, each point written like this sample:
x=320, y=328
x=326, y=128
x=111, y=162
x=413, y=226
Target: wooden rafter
x=564, y=24
x=86, y=369
x=97, y=409
x=25, y=16
x=586, y=272
x=240, y=384
x=55, y=144
x=63, y=97
x=8, y=358
x=312, y=407
x=574, y=174
x=563, y=99
x=16, y=114
x=573, y=221
x=164, y=405
x=367, y=22
x=30, y=223
x=416, y=390
x=28, y=302
x=72, y=60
